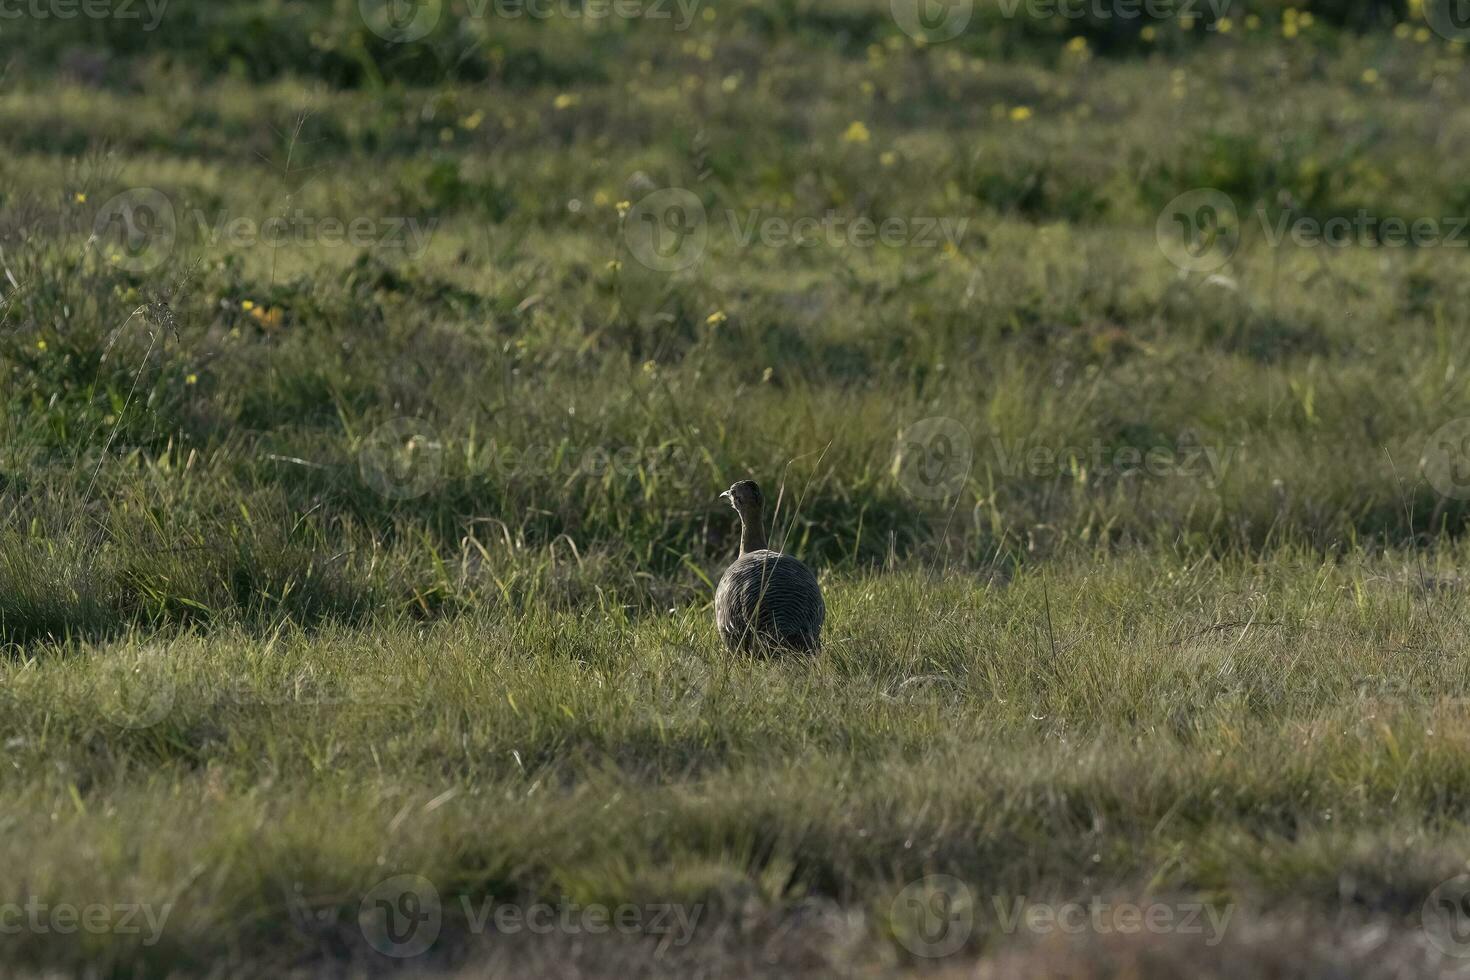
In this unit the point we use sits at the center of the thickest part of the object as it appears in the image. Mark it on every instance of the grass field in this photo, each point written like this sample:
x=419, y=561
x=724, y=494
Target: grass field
x=366, y=386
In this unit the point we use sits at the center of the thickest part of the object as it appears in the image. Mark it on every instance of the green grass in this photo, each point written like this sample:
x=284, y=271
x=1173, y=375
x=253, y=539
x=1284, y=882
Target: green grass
x=328, y=563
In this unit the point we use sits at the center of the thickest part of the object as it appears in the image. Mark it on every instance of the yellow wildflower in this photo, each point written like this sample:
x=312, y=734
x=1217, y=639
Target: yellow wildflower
x=857, y=132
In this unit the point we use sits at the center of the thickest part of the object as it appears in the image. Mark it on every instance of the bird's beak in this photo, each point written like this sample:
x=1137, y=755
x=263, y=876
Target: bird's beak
x=726, y=496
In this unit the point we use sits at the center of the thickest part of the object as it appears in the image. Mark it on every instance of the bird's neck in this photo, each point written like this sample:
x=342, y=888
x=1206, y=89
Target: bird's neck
x=752, y=532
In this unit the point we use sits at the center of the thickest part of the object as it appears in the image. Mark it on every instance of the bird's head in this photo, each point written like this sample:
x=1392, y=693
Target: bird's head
x=745, y=497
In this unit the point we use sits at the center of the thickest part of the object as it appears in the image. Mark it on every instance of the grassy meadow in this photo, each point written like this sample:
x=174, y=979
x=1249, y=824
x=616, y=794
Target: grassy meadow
x=365, y=399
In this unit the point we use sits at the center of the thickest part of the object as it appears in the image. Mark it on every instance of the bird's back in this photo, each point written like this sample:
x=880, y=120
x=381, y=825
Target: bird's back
x=767, y=597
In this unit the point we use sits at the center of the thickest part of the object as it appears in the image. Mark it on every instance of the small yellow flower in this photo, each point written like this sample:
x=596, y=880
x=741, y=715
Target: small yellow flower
x=888, y=158
x=600, y=199
x=1252, y=22
x=40, y=345
x=767, y=374
x=1370, y=76
x=192, y=379
x=624, y=207
x=1224, y=25
x=1289, y=30
x=1186, y=23
x=472, y=121
x=1422, y=35
x=650, y=367
x=615, y=266
x=565, y=100
x=1148, y=33
x=1021, y=113
x=269, y=318
x=79, y=198
x=1306, y=18
x=1402, y=31
x=1077, y=45
x=729, y=84
x=716, y=318
x=857, y=132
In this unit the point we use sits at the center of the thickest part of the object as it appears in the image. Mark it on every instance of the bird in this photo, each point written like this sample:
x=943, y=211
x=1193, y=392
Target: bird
x=766, y=601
